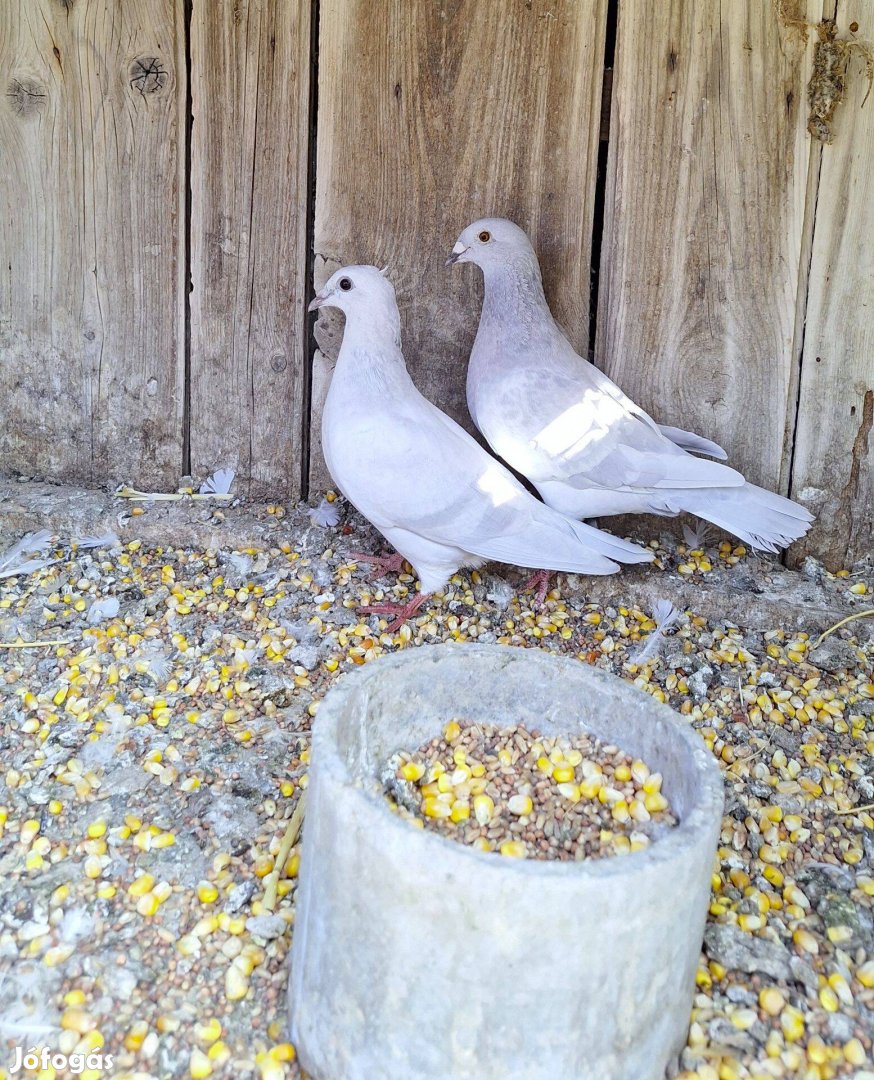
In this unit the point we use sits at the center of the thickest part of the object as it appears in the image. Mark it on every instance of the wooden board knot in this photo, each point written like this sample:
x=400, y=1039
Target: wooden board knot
x=147, y=75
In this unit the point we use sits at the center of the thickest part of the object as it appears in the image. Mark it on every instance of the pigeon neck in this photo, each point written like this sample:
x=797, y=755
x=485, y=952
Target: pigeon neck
x=513, y=288
x=377, y=329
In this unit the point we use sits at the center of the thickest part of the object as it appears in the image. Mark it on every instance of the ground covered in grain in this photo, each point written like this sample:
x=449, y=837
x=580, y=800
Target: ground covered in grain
x=152, y=759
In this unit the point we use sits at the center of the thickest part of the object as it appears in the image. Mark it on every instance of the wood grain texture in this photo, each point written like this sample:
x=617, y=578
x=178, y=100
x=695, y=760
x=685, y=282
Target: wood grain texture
x=250, y=141
x=832, y=472
x=704, y=223
x=430, y=116
x=91, y=216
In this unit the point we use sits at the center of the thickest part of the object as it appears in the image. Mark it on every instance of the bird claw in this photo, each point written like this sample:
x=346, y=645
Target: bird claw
x=401, y=612
x=540, y=579
x=383, y=564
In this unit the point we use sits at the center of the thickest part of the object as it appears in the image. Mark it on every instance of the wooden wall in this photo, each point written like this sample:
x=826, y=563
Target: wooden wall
x=175, y=178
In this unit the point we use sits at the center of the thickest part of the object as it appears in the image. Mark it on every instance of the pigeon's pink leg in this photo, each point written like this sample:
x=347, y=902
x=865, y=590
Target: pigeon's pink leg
x=401, y=612
x=540, y=579
x=383, y=564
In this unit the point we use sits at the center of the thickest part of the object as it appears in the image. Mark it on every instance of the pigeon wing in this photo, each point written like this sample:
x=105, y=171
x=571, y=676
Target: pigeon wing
x=602, y=439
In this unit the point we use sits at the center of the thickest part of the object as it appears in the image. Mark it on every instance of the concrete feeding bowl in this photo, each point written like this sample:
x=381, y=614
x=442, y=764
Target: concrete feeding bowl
x=416, y=957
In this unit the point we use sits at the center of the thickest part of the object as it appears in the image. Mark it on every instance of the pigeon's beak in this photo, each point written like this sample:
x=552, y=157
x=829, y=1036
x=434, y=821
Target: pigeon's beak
x=457, y=252
x=316, y=302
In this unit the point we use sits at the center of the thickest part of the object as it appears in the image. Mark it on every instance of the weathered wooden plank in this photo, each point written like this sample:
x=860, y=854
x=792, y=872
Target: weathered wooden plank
x=431, y=115
x=250, y=141
x=91, y=203
x=831, y=471
x=704, y=221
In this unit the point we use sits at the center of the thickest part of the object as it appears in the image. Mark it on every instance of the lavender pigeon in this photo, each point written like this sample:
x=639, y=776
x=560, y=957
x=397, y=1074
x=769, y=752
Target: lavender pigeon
x=562, y=423
x=431, y=490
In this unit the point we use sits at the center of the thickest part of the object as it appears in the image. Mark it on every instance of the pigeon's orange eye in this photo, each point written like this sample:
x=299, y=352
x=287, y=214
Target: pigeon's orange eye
x=485, y=236
x=345, y=284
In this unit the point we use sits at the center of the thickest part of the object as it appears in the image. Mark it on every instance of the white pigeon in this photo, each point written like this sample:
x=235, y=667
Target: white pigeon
x=432, y=491
x=562, y=423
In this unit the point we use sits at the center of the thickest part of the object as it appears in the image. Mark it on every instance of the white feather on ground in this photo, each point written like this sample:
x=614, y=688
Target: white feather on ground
x=14, y=561
x=665, y=615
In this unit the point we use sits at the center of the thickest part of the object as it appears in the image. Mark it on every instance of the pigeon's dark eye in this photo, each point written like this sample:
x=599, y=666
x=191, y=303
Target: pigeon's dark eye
x=345, y=284
x=485, y=236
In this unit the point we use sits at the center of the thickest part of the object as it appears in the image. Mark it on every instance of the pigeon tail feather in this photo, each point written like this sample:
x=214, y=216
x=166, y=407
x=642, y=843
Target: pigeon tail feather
x=760, y=518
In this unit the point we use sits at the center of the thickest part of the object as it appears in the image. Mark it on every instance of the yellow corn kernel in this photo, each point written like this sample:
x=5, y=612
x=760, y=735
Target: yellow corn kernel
x=135, y=1037
x=451, y=731
x=841, y=987
x=97, y=829
x=73, y=1019
x=432, y=807
x=460, y=810
x=412, y=770
x=209, y=1031
x=865, y=974
x=653, y=783
x=771, y=1000
x=29, y=830
x=148, y=904
x=563, y=774
x=93, y=867
x=199, y=1065
x=207, y=893
x=854, y=1052
x=163, y=840
x=513, y=849
x=236, y=983
x=589, y=788
x=750, y=923
x=739, y=878
x=622, y=773
x=34, y=861
x=505, y=757
x=792, y=1023
x=655, y=802
x=263, y=865
x=219, y=1052
x=74, y=997
x=162, y=891
x=141, y=885
x=483, y=809
x=57, y=955
x=806, y=941
x=520, y=805
x=571, y=792
x=743, y=1019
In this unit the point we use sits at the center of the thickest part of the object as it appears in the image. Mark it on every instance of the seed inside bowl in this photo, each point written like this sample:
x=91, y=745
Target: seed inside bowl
x=525, y=795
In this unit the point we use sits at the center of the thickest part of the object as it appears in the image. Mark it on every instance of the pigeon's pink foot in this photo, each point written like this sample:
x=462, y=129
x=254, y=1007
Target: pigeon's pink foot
x=540, y=580
x=383, y=564
x=401, y=612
